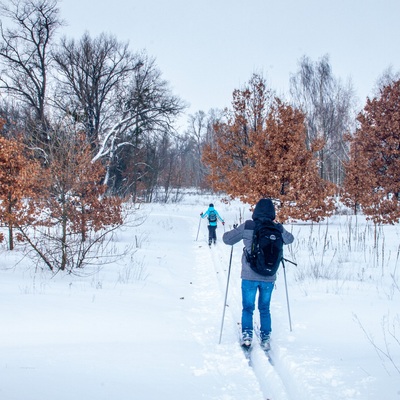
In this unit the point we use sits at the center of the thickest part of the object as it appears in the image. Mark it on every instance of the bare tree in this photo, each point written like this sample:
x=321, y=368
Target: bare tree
x=146, y=111
x=196, y=132
x=119, y=98
x=14, y=116
x=116, y=97
x=328, y=105
x=25, y=53
x=387, y=77
x=91, y=75
x=199, y=133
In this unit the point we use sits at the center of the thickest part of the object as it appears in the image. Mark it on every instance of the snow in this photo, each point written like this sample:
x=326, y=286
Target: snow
x=148, y=326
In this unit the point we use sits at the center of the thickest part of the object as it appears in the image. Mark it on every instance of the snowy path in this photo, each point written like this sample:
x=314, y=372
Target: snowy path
x=197, y=279
x=221, y=371
x=148, y=326
x=271, y=381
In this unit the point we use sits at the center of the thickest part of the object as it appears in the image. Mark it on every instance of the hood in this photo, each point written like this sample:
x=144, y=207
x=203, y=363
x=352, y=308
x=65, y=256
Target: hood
x=264, y=210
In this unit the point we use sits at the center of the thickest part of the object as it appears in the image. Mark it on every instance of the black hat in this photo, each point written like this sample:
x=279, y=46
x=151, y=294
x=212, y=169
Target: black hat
x=211, y=205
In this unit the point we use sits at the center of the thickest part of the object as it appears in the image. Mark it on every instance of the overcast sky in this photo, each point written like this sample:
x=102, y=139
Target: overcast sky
x=208, y=48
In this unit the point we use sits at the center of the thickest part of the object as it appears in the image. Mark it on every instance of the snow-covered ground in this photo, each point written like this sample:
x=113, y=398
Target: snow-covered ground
x=148, y=326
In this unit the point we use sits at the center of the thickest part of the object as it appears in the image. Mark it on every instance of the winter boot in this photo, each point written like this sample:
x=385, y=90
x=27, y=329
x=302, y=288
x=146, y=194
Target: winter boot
x=246, y=340
x=265, y=343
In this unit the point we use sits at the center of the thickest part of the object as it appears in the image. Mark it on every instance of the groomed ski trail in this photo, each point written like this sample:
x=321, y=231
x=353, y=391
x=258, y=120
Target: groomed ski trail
x=274, y=381
x=200, y=367
x=225, y=361
x=202, y=282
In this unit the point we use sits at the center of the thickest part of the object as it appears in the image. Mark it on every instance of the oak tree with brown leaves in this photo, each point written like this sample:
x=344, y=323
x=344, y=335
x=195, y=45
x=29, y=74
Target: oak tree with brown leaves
x=261, y=153
x=20, y=183
x=373, y=171
x=77, y=215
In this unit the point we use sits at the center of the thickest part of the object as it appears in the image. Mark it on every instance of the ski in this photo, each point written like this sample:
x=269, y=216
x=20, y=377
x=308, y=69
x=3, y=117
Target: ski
x=267, y=352
x=265, y=348
x=247, y=352
x=246, y=349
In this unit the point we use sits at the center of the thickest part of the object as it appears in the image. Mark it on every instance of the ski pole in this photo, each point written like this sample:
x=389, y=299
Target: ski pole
x=287, y=294
x=226, y=295
x=289, y=261
x=198, y=229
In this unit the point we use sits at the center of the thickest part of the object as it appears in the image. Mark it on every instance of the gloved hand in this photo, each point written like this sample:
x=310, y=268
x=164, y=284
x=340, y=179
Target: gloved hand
x=223, y=223
x=201, y=213
x=235, y=226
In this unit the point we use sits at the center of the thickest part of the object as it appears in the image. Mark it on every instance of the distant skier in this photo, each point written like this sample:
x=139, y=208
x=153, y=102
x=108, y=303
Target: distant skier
x=264, y=214
x=213, y=218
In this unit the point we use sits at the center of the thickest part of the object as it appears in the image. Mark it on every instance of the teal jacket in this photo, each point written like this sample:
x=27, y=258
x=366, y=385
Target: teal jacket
x=207, y=213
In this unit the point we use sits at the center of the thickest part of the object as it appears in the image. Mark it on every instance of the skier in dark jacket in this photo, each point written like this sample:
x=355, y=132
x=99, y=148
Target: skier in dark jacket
x=251, y=281
x=213, y=218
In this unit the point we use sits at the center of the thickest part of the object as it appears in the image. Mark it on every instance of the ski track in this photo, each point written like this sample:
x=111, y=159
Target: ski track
x=225, y=360
x=199, y=367
x=293, y=376
x=273, y=381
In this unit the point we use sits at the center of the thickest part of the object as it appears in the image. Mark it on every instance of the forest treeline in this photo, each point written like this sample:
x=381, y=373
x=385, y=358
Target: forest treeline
x=88, y=123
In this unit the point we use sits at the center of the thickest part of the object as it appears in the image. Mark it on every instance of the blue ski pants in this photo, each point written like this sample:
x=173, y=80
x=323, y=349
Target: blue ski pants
x=249, y=292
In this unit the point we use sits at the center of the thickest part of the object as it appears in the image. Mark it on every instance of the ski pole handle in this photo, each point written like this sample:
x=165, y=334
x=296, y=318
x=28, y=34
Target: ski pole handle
x=289, y=261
